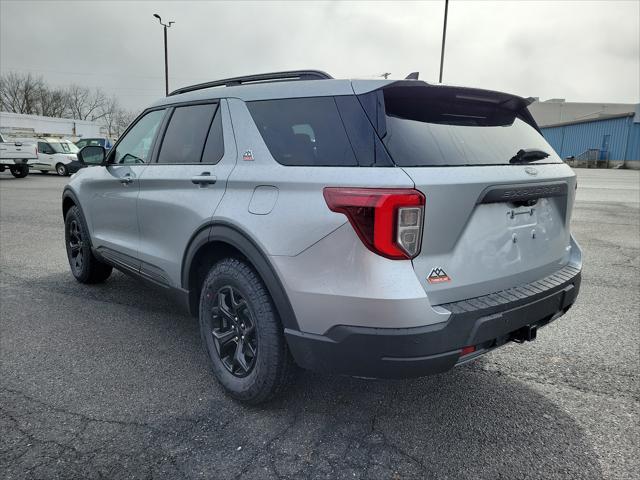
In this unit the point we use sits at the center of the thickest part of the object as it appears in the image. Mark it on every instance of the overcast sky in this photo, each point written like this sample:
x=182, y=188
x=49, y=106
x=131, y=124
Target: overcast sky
x=578, y=50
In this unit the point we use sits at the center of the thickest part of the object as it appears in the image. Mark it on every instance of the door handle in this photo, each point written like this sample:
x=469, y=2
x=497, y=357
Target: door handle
x=127, y=179
x=204, y=179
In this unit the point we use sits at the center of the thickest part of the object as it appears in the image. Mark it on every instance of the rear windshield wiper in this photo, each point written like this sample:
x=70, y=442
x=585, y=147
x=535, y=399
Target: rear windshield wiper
x=528, y=155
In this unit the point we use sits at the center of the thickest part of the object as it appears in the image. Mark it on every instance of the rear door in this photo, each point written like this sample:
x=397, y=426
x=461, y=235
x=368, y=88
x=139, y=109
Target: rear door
x=182, y=187
x=493, y=218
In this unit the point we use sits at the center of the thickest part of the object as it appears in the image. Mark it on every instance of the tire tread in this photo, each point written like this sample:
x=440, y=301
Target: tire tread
x=278, y=375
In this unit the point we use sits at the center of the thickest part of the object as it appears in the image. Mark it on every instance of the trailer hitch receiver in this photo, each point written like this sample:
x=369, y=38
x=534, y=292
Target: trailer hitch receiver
x=525, y=334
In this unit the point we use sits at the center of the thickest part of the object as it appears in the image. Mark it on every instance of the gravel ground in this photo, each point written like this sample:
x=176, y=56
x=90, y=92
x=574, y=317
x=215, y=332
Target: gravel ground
x=110, y=381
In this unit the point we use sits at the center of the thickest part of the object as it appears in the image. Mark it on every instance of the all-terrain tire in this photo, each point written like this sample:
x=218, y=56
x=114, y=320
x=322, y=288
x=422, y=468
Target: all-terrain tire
x=271, y=363
x=85, y=267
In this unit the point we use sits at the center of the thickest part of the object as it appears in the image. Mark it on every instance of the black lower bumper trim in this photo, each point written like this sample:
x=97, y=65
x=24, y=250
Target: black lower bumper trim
x=419, y=351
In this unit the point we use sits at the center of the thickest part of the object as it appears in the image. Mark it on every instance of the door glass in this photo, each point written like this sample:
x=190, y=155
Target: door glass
x=186, y=133
x=135, y=146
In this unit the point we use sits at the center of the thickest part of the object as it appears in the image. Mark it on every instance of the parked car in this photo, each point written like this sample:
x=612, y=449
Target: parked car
x=15, y=156
x=374, y=228
x=107, y=143
x=56, y=155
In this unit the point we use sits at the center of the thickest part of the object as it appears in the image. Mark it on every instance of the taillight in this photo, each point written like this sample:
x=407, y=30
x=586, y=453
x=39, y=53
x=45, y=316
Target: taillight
x=387, y=220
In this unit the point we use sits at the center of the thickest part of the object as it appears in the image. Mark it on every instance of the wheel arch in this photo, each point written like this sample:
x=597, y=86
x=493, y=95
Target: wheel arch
x=69, y=199
x=220, y=240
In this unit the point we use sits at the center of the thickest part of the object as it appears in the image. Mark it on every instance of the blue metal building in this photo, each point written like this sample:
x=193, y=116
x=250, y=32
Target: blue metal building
x=612, y=138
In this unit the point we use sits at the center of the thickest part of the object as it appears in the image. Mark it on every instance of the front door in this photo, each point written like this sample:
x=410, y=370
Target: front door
x=46, y=160
x=115, y=188
x=183, y=185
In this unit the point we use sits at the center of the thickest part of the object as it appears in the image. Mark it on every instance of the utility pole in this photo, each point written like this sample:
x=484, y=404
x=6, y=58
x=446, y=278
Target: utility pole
x=166, y=58
x=444, y=37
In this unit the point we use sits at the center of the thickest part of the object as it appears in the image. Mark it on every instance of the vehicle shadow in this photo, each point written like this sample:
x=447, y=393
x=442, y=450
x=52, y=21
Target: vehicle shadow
x=467, y=423
x=177, y=423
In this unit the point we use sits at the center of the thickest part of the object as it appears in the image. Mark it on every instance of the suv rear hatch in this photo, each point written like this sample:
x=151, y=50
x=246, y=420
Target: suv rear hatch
x=498, y=198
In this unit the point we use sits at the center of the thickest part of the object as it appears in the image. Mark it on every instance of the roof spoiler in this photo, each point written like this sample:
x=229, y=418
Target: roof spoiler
x=501, y=100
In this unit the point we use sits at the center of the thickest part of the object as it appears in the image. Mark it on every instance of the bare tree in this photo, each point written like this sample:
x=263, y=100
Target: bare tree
x=110, y=111
x=52, y=102
x=20, y=93
x=85, y=104
x=123, y=120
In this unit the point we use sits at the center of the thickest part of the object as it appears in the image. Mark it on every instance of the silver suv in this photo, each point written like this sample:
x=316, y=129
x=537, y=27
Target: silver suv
x=374, y=228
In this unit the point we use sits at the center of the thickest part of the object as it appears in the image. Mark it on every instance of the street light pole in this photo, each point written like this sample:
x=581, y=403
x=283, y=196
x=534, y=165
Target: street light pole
x=444, y=37
x=166, y=56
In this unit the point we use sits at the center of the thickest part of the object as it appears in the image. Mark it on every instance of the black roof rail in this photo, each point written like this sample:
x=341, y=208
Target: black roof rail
x=259, y=78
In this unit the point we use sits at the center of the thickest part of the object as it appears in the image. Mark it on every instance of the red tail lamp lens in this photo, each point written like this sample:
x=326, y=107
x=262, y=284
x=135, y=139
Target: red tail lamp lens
x=387, y=220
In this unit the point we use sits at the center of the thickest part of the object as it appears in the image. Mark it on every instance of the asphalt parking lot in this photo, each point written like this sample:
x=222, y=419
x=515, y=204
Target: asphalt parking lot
x=109, y=381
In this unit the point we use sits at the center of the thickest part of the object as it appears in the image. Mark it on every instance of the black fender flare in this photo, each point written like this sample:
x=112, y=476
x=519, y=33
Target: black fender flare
x=234, y=237
x=68, y=193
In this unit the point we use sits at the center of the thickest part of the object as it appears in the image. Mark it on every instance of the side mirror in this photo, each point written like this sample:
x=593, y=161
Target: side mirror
x=92, y=155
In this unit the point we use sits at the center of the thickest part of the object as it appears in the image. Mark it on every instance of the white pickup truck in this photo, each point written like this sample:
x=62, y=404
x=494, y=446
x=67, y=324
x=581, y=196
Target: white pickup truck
x=15, y=155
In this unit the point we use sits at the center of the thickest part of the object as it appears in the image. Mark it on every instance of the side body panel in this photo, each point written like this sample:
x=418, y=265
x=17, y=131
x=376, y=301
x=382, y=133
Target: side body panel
x=283, y=208
x=17, y=151
x=338, y=281
x=171, y=208
x=328, y=274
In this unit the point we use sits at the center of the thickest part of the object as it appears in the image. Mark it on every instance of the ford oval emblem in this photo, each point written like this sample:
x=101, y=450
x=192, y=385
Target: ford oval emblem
x=531, y=171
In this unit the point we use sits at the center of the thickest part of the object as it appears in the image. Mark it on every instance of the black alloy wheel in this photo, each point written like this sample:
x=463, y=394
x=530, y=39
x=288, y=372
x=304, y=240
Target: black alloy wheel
x=233, y=331
x=86, y=268
x=76, y=246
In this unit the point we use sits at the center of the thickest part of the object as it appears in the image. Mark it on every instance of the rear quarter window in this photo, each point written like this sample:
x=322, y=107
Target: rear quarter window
x=303, y=131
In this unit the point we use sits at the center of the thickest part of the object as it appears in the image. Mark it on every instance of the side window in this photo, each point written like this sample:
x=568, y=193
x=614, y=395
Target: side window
x=214, y=146
x=43, y=147
x=303, y=131
x=365, y=142
x=135, y=146
x=184, y=139
x=81, y=144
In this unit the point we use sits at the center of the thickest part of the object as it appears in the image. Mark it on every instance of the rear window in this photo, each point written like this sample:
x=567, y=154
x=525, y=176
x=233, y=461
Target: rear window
x=447, y=126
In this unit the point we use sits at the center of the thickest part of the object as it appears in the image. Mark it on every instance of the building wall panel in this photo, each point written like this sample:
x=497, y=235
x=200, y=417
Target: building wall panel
x=574, y=139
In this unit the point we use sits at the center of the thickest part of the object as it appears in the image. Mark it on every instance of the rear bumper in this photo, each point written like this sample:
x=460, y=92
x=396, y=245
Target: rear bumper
x=13, y=162
x=485, y=322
